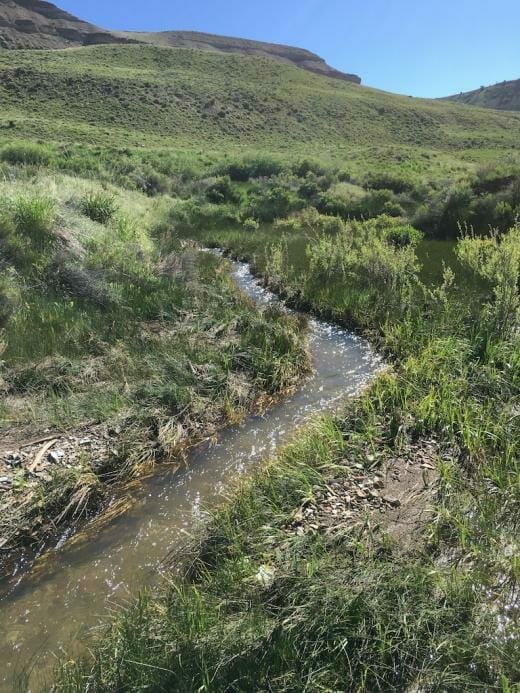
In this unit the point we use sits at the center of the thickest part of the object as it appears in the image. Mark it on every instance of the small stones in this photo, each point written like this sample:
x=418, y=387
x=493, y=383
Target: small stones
x=390, y=500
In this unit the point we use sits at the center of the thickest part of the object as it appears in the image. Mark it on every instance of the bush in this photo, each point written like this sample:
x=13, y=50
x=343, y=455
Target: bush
x=273, y=203
x=402, y=235
x=99, y=207
x=25, y=154
x=222, y=191
x=250, y=225
x=292, y=224
x=305, y=166
x=243, y=170
x=6, y=305
x=383, y=180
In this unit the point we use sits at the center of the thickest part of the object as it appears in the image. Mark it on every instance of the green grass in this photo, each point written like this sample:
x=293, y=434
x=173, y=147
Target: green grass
x=105, y=321
x=359, y=610
x=107, y=314
x=157, y=97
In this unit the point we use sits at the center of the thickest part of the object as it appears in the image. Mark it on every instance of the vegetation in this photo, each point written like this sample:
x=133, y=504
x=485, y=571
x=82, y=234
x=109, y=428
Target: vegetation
x=361, y=608
x=153, y=97
x=109, y=325
x=111, y=319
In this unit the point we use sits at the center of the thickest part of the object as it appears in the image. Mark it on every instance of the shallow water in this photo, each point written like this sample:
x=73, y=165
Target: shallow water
x=71, y=590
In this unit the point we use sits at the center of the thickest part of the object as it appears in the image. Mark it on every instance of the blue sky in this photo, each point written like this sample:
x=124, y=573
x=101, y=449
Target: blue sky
x=418, y=47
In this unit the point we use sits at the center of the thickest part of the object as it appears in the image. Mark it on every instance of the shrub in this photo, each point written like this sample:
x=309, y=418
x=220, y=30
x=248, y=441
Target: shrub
x=305, y=166
x=271, y=204
x=243, y=170
x=383, y=180
x=99, y=207
x=25, y=154
x=402, y=235
x=250, y=225
x=291, y=224
x=6, y=305
x=222, y=191
x=393, y=209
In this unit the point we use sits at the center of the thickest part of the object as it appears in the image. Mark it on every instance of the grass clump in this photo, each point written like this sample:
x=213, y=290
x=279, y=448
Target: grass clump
x=99, y=206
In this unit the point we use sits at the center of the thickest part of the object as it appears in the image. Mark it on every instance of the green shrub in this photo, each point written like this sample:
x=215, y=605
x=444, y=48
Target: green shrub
x=250, y=225
x=25, y=154
x=305, y=166
x=100, y=206
x=402, y=235
x=6, y=304
x=292, y=224
x=222, y=191
x=384, y=180
x=273, y=203
x=242, y=170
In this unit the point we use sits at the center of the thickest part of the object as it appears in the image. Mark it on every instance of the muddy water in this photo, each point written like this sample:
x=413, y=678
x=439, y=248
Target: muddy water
x=66, y=595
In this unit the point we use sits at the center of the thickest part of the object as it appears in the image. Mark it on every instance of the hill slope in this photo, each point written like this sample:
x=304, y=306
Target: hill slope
x=38, y=24
x=504, y=96
x=151, y=96
x=224, y=44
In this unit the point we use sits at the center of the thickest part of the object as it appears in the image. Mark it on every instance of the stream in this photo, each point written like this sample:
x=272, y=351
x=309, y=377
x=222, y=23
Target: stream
x=78, y=582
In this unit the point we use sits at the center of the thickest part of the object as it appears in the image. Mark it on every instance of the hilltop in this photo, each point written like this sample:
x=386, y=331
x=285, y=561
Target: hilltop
x=224, y=44
x=38, y=24
x=35, y=24
x=504, y=96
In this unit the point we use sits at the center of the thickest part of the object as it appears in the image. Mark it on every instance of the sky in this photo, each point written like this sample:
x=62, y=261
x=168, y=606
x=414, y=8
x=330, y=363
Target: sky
x=417, y=47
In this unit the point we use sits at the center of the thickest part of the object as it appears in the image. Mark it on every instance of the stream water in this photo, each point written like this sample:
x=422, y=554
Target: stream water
x=47, y=610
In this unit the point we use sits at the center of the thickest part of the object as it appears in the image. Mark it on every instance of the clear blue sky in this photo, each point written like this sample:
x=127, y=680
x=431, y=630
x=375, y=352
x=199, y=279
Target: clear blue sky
x=419, y=47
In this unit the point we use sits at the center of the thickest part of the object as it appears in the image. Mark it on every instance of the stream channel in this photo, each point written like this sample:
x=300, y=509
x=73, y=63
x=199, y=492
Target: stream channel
x=48, y=609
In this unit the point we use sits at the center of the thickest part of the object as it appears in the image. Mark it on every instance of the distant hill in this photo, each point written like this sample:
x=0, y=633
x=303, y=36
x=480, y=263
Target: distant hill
x=38, y=24
x=224, y=44
x=35, y=24
x=504, y=96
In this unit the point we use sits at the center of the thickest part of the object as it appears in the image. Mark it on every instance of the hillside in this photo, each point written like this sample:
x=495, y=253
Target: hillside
x=35, y=24
x=38, y=24
x=151, y=96
x=223, y=44
x=504, y=96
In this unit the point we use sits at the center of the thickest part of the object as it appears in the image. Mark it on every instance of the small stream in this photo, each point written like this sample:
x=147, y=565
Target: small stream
x=70, y=592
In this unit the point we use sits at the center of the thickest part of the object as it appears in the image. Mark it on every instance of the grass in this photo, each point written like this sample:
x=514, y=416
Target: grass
x=262, y=608
x=130, y=96
x=108, y=314
x=107, y=323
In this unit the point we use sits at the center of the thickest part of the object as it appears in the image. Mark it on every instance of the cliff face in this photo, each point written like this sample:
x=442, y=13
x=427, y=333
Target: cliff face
x=224, y=44
x=504, y=96
x=38, y=24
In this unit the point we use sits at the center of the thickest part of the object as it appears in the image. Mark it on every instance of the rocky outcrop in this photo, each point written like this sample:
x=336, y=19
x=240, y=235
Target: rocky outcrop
x=37, y=24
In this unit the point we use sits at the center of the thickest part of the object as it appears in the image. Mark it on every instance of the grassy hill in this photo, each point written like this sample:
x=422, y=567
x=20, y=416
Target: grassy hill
x=504, y=96
x=225, y=44
x=159, y=97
